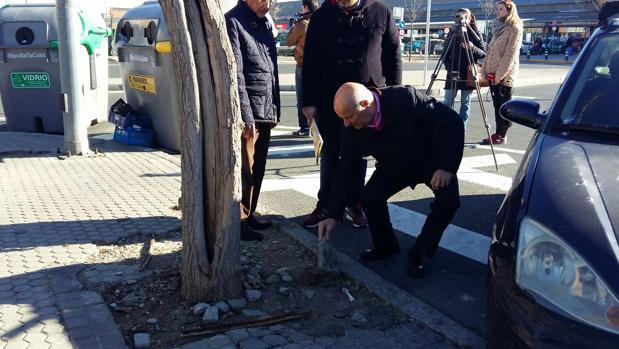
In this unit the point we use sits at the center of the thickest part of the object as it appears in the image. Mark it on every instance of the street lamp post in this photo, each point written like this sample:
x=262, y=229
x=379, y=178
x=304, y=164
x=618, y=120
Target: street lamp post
x=425, y=68
x=75, y=124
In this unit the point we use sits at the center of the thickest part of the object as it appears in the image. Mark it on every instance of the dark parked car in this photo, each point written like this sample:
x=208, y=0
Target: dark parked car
x=553, y=265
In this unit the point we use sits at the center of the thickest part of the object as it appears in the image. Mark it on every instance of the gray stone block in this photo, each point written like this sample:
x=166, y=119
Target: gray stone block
x=219, y=341
x=237, y=304
x=199, y=309
x=141, y=340
x=274, y=340
x=253, y=295
x=253, y=343
x=201, y=344
x=223, y=307
x=259, y=332
x=238, y=335
x=81, y=332
x=211, y=315
x=90, y=342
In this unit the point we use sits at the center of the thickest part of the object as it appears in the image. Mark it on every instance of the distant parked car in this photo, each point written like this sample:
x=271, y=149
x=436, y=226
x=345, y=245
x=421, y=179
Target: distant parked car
x=525, y=47
x=280, y=43
x=553, y=265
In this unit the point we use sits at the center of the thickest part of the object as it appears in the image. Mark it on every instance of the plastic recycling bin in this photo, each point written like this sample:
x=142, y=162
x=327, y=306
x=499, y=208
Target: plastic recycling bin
x=30, y=68
x=145, y=60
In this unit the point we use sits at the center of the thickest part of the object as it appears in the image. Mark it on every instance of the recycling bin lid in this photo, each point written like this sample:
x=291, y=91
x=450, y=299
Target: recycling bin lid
x=143, y=25
x=35, y=25
x=27, y=24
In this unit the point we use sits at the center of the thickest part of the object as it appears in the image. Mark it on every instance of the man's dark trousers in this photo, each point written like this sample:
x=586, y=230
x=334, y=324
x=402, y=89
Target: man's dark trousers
x=329, y=158
x=254, y=158
x=383, y=185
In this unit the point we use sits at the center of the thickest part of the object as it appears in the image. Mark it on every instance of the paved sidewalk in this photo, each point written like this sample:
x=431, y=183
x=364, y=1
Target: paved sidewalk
x=52, y=212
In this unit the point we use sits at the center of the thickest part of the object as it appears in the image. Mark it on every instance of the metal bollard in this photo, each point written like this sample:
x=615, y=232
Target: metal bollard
x=528, y=54
x=546, y=54
x=566, y=57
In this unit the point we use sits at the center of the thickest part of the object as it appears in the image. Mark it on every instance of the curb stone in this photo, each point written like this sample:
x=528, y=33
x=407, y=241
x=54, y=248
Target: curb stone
x=389, y=292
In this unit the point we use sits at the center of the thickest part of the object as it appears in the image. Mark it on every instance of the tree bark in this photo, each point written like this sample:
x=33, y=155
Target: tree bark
x=211, y=142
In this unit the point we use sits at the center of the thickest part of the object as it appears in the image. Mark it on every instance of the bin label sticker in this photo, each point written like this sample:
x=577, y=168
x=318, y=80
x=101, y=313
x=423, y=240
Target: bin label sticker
x=142, y=83
x=30, y=80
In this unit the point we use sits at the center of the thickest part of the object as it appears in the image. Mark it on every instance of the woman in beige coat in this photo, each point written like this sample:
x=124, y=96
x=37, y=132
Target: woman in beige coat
x=501, y=64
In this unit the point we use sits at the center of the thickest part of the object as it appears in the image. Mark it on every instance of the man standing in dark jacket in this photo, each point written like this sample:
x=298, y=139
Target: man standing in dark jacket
x=347, y=40
x=253, y=44
x=414, y=140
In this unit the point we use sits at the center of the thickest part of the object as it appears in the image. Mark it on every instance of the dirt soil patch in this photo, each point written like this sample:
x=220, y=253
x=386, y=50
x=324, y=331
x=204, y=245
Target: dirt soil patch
x=281, y=269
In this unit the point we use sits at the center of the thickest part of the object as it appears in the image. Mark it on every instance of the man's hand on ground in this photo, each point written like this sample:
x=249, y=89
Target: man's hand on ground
x=441, y=179
x=325, y=227
x=309, y=113
x=249, y=132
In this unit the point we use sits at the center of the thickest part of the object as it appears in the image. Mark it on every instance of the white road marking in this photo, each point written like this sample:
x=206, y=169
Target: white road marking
x=501, y=149
x=291, y=149
x=285, y=128
x=456, y=239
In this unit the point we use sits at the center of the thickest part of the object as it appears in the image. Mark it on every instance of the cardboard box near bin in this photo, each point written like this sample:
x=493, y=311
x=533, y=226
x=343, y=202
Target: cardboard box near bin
x=131, y=129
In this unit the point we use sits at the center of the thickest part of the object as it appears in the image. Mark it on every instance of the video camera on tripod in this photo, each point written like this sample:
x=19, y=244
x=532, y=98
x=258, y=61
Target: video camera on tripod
x=458, y=41
x=462, y=19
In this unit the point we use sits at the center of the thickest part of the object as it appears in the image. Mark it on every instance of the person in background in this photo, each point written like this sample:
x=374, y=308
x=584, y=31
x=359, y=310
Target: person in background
x=347, y=40
x=296, y=38
x=537, y=46
x=456, y=60
x=502, y=62
x=253, y=45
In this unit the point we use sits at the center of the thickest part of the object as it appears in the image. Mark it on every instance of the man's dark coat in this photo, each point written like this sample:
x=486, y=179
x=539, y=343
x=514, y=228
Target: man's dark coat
x=360, y=46
x=418, y=136
x=256, y=63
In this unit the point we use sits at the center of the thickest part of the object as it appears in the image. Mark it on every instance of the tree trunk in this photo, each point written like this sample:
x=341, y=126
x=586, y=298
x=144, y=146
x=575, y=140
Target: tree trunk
x=211, y=143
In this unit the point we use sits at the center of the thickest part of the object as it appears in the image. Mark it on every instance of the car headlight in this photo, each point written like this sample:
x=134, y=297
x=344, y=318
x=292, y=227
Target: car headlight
x=548, y=267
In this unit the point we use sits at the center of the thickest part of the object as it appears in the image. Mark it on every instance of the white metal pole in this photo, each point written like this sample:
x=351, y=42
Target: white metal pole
x=425, y=68
x=69, y=32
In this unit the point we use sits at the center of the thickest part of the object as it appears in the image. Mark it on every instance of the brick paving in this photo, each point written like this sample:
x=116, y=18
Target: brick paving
x=53, y=209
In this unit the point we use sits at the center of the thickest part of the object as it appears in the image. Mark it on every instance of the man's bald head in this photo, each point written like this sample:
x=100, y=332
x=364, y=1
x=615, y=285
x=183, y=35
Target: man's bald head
x=351, y=104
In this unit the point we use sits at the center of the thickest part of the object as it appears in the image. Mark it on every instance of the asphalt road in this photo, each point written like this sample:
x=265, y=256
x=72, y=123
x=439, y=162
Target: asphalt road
x=455, y=283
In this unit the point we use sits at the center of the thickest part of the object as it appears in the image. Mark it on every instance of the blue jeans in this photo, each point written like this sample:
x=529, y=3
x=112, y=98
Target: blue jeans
x=303, y=125
x=465, y=102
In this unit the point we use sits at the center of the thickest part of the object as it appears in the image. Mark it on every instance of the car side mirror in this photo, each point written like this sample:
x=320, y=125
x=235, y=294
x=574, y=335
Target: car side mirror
x=522, y=112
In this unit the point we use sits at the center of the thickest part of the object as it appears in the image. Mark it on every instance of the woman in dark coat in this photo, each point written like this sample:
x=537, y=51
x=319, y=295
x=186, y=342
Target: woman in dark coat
x=456, y=60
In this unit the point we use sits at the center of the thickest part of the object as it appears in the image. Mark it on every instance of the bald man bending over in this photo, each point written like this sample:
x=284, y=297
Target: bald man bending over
x=414, y=140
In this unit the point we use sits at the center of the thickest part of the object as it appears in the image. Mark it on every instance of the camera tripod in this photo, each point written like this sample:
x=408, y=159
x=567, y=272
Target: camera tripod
x=461, y=30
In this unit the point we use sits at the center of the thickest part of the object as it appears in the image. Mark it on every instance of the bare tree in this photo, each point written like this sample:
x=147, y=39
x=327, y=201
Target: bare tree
x=412, y=10
x=211, y=140
x=274, y=9
x=487, y=6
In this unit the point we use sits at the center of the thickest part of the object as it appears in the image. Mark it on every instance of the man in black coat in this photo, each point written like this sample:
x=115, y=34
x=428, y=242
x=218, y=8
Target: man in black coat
x=414, y=140
x=347, y=40
x=253, y=44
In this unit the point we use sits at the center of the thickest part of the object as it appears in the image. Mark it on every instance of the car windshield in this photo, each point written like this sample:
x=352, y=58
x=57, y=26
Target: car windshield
x=593, y=99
